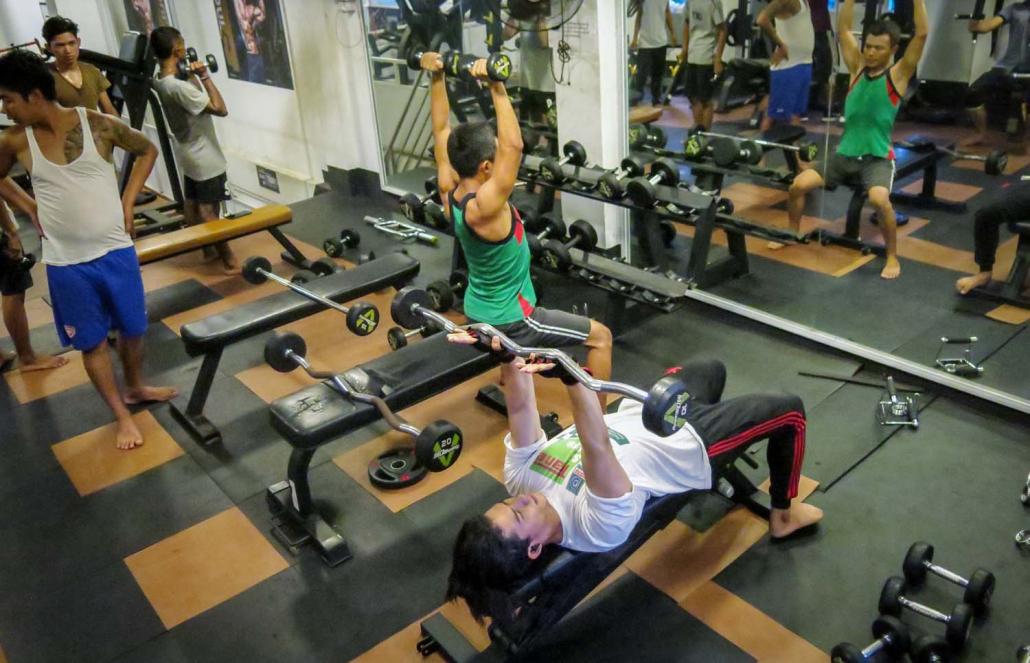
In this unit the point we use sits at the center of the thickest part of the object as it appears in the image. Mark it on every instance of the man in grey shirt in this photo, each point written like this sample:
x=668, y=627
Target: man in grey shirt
x=704, y=38
x=652, y=35
x=188, y=106
x=999, y=81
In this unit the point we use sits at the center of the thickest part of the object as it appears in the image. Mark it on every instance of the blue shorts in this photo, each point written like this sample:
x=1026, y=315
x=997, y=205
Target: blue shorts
x=789, y=90
x=92, y=298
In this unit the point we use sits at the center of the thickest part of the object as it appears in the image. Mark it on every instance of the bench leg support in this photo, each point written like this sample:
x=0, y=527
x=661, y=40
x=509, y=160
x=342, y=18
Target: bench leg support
x=192, y=417
x=291, y=253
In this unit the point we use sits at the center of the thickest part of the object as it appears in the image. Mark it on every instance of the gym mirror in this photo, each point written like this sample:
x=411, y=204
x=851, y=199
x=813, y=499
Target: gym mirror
x=399, y=28
x=833, y=281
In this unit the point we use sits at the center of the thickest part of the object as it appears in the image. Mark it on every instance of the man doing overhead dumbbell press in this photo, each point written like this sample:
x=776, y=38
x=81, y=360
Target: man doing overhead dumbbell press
x=476, y=171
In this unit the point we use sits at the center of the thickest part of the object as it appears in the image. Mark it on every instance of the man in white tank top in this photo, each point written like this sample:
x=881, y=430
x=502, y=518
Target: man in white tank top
x=788, y=23
x=93, y=273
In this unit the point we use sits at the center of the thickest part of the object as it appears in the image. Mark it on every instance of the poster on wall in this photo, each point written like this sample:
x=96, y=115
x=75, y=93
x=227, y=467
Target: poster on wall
x=254, y=41
x=145, y=15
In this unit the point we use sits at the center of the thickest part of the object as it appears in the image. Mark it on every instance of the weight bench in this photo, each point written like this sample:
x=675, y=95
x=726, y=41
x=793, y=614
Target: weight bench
x=1011, y=289
x=562, y=578
x=317, y=414
x=210, y=336
x=906, y=162
x=270, y=217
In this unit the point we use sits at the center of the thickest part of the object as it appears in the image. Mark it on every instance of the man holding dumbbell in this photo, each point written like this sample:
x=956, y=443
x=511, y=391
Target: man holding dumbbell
x=585, y=488
x=15, y=279
x=865, y=156
x=476, y=171
x=92, y=270
x=704, y=38
x=998, y=80
x=188, y=106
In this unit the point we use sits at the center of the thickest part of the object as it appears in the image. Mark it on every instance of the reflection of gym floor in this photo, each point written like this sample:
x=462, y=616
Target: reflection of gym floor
x=838, y=290
x=165, y=554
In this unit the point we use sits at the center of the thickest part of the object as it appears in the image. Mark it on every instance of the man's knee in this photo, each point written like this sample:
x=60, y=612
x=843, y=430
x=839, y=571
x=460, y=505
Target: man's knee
x=805, y=182
x=600, y=337
x=880, y=198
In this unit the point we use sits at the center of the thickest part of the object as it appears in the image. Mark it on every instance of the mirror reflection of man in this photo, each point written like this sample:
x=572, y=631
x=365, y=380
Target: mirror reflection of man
x=77, y=83
x=250, y=16
x=536, y=78
x=142, y=8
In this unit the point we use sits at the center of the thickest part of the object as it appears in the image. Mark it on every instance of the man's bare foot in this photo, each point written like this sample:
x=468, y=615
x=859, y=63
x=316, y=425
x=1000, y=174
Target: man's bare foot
x=784, y=522
x=230, y=266
x=129, y=436
x=774, y=246
x=967, y=283
x=150, y=395
x=6, y=359
x=42, y=363
x=892, y=269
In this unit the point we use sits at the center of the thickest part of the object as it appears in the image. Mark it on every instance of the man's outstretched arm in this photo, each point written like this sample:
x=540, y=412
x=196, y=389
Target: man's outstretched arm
x=849, y=49
x=604, y=475
x=494, y=194
x=440, y=117
x=906, y=67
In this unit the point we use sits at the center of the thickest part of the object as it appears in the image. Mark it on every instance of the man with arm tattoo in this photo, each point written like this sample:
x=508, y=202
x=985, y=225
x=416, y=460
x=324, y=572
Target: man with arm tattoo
x=92, y=269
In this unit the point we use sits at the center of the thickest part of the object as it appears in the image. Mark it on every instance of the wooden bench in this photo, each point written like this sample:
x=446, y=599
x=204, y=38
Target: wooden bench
x=170, y=244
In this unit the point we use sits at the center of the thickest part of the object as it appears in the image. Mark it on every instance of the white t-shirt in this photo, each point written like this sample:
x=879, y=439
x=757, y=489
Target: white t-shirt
x=655, y=465
x=653, y=31
x=196, y=145
x=705, y=17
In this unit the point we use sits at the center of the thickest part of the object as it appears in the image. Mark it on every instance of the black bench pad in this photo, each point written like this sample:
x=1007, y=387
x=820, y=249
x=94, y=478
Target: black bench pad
x=787, y=134
x=1021, y=228
x=267, y=313
x=317, y=414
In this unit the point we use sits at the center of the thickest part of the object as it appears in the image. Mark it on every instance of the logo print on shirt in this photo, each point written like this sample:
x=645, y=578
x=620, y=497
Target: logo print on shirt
x=70, y=331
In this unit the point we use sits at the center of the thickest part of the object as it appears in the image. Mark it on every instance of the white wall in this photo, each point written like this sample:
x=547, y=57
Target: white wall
x=20, y=21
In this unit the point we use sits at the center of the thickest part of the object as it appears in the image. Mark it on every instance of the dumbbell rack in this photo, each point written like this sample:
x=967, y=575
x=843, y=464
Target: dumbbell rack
x=697, y=210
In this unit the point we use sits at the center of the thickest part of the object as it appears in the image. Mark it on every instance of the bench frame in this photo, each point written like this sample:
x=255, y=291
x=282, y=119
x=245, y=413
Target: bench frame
x=1010, y=290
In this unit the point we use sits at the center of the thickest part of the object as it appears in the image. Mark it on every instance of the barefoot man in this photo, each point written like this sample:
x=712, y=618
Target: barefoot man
x=92, y=269
x=865, y=156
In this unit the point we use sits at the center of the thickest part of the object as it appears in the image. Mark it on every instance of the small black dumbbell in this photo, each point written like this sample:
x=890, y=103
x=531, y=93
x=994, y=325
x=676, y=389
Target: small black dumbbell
x=441, y=294
x=930, y=649
x=612, y=184
x=184, y=65
x=334, y=247
x=455, y=63
x=459, y=281
x=324, y=267
x=548, y=226
x=919, y=561
x=642, y=190
x=302, y=276
x=413, y=206
x=957, y=624
x=574, y=155
x=727, y=152
x=25, y=262
x=646, y=136
x=555, y=253
x=398, y=338
x=892, y=637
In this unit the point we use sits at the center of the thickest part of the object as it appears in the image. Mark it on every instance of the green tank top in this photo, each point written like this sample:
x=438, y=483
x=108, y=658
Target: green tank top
x=869, y=114
x=499, y=288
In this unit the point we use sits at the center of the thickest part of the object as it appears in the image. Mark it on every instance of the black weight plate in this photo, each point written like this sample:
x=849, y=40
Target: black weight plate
x=252, y=268
x=362, y=318
x=395, y=469
x=438, y=446
x=277, y=347
x=403, y=303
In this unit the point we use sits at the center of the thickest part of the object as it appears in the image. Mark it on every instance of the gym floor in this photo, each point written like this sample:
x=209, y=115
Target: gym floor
x=164, y=554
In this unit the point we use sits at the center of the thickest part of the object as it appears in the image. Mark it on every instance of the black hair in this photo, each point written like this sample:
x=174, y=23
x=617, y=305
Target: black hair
x=162, y=41
x=485, y=568
x=885, y=27
x=470, y=145
x=58, y=25
x=23, y=72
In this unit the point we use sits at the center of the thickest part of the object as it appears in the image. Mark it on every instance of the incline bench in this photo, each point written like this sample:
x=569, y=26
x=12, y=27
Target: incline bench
x=317, y=414
x=906, y=162
x=167, y=245
x=210, y=336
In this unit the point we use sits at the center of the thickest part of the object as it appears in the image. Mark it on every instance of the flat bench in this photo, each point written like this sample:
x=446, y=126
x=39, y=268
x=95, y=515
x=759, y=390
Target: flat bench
x=906, y=162
x=210, y=336
x=1011, y=289
x=177, y=242
x=317, y=414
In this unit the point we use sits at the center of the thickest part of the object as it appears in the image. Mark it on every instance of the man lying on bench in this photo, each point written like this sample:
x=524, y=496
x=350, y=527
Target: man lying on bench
x=585, y=489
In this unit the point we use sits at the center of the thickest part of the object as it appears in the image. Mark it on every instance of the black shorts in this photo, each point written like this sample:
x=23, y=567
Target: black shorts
x=548, y=328
x=867, y=172
x=206, y=191
x=700, y=82
x=995, y=84
x=13, y=281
